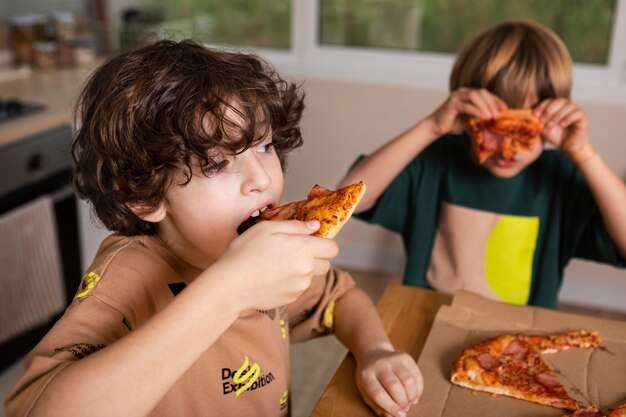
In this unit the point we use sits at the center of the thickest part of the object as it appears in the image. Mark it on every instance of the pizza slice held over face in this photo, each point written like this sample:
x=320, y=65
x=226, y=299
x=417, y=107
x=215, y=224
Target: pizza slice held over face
x=331, y=208
x=512, y=365
x=512, y=131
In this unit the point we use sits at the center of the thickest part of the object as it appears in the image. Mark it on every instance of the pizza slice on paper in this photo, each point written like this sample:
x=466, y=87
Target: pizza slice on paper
x=619, y=411
x=512, y=131
x=512, y=365
x=331, y=208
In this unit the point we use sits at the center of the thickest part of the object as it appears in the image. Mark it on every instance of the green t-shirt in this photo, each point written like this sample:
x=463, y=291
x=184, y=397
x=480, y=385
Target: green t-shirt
x=507, y=238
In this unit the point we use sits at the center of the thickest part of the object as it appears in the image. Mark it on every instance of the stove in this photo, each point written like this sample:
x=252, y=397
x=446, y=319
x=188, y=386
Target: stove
x=12, y=108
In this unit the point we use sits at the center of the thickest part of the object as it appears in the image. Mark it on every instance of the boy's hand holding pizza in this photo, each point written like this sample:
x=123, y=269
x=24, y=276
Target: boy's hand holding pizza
x=286, y=258
x=452, y=115
x=566, y=127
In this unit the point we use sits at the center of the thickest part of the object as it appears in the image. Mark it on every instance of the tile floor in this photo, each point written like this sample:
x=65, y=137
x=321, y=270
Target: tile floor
x=314, y=362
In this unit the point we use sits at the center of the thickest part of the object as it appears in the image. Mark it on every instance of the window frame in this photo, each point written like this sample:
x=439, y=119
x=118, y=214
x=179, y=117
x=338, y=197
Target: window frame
x=604, y=84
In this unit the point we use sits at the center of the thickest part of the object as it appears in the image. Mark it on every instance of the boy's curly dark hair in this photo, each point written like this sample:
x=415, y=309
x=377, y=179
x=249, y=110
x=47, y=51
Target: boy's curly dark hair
x=151, y=112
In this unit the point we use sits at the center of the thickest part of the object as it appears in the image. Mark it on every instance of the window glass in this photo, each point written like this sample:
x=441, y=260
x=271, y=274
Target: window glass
x=443, y=25
x=255, y=23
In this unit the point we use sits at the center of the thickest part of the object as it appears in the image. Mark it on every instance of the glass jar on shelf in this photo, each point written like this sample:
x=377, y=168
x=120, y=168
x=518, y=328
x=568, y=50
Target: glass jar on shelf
x=64, y=26
x=45, y=54
x=25, y=30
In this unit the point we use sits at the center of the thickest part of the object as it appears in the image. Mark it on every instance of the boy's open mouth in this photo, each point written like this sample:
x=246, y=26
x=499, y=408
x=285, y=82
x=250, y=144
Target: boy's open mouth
x=504, y=162
x=254, y=218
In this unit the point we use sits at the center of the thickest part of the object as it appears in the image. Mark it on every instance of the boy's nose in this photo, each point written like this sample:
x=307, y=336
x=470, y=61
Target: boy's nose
x=255, y=176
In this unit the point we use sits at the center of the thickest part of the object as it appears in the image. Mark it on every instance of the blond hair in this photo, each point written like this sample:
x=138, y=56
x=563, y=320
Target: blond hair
x=515, y=59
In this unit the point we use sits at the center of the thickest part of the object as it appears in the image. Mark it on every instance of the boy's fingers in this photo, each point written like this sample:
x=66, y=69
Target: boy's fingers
x=573, y=117
x=481, y=101
x=502, y=106
x=552, y=108
x=563, y=112
x=292, y=226
x=377, y=410
x=411, y=385
x=394, y=386
x=492, y=102
x=381, y=400
x=312, y=225
x=471, y=110
x=539, y=109
x=321, y=267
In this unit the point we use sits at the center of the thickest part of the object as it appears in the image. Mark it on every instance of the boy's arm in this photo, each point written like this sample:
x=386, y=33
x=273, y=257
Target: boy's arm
x=136, y=364
x=389, y=381
x=566, y=126
x=134, y=373
x=609, y=191
x=380, y=168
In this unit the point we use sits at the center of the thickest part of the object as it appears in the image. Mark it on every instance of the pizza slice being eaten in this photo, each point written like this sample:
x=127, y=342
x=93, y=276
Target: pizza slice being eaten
x=512, y=365
x=331, y=208
x=512, y=131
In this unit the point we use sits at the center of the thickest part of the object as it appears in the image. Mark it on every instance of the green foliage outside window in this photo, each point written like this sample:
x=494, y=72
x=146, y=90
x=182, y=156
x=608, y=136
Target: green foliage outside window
x=444, y=25
x=419, y=25
x=260, y=23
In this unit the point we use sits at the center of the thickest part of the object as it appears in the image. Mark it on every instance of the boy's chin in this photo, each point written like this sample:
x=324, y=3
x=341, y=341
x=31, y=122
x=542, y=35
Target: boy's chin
x=508, y=171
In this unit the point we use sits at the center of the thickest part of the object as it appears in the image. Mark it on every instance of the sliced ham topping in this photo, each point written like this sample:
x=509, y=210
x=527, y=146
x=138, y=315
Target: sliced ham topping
x=516, y=346
x=547, y=380
x=491, y=141
x=318, y=191
x=518, y=349
x=487, y=361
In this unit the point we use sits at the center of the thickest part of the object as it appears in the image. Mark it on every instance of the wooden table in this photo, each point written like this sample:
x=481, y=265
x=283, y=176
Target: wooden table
x=407, y=314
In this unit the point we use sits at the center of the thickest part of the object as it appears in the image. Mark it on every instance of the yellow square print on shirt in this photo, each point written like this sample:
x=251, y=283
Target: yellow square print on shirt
x=509, y=257
x=484, y=252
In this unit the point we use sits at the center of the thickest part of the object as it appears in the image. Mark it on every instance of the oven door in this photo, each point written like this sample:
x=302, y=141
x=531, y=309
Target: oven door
x=38, y=166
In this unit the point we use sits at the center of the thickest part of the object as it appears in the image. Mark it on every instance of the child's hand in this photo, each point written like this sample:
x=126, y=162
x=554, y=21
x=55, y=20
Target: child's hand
x=273, y=263
x=566, y=124
x=463, y=103
x=389, y=382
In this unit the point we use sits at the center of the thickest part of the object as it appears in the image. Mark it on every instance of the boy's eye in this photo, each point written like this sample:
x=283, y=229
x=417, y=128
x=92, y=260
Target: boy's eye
x=265, y=147
x=216, y=167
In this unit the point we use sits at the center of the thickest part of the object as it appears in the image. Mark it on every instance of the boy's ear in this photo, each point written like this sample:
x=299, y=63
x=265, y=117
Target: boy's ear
x=142, y=211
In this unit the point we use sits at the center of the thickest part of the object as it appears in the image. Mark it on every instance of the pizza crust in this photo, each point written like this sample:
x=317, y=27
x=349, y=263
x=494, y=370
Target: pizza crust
x=619, y=411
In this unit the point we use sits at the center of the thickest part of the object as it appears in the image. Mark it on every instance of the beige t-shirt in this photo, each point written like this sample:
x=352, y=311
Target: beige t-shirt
x=245, y=372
